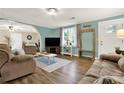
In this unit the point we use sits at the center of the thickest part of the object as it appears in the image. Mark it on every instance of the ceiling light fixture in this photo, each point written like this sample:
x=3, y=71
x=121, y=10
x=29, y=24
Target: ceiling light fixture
x=11, y=28
x=72, y=18
x=52, y=11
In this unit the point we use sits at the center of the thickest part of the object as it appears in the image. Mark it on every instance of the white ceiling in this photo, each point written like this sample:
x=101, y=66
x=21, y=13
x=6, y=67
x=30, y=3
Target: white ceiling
x=17, y=27
x=39, y=17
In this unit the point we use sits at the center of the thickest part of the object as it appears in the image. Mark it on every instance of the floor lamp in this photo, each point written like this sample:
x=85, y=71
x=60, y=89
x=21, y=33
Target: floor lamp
x=120, y=34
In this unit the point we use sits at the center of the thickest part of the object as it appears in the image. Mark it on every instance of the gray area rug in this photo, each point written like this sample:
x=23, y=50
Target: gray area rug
x=54, y=65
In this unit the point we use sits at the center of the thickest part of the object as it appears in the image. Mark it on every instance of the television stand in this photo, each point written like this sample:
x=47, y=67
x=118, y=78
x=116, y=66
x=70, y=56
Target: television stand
x=53, y=49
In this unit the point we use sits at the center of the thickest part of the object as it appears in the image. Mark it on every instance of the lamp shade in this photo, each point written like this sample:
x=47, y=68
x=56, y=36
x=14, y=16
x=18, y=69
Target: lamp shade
x=120, y=33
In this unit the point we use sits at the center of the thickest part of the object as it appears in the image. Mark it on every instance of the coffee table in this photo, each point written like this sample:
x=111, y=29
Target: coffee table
x=48, y=55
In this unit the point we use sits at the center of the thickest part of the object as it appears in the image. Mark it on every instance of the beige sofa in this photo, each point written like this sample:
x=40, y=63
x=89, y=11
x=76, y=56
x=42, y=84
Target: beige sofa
x=12, y=67
x=107, y=65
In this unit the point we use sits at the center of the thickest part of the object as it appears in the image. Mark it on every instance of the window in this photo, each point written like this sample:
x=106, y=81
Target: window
x=16, y=41
x=111, y=29
x=69, y=36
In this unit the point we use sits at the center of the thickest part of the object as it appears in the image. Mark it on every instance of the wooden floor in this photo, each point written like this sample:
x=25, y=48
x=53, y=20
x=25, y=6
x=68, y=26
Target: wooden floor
x=69, y=74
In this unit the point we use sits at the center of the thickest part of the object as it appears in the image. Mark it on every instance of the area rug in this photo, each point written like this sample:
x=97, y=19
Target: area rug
x=55, y=64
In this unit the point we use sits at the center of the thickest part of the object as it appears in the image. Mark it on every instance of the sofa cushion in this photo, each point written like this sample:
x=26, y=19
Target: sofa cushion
x=87, y=80
x=110, y=72
x=30, y=50
x=95, y=69
x=5, y=47
x=20, y=58
x=111, y=69
x=110, y=57
x=121, y=63
x=4, y=57
x=104, y=68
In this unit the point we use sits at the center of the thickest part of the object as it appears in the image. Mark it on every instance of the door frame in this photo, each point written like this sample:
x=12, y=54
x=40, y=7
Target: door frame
x=99, y=34
x=99, y=39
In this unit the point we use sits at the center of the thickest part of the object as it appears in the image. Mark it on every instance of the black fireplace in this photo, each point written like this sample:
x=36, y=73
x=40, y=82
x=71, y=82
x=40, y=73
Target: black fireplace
x=52, y=45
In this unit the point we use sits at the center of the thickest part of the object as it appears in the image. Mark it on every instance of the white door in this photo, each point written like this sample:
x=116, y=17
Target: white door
x=108, y=39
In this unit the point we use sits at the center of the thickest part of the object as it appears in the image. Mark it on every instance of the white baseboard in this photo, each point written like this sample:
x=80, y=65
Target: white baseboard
x=91, y=56
x=70, y=54
x=76, y=55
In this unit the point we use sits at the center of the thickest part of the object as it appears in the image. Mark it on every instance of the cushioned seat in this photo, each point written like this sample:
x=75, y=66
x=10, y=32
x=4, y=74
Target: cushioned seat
x=107, y=65
x=87, y=80
x=12, y=67
x=93, y=71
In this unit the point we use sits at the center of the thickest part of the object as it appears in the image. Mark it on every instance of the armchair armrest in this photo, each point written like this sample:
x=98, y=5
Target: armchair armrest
x=4, y=57
x=20, y=58
x=110, y=57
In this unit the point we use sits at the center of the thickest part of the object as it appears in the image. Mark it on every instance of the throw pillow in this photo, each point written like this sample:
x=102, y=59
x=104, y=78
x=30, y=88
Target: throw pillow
x=15, y=52
x=109, y=80
x=121, y=63
x=110, y=57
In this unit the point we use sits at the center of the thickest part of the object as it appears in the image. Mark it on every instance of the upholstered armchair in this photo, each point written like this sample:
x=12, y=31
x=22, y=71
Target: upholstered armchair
x=30, y=50
x=14, y=66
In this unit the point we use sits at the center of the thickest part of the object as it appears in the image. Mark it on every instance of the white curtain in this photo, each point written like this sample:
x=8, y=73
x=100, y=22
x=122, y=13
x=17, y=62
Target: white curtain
x=16, y=41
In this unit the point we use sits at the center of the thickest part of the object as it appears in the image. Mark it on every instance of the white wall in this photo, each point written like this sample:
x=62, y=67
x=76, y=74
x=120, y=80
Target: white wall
x=4, y=36
x=35, y=37
x=23, y=30
x=17, y=39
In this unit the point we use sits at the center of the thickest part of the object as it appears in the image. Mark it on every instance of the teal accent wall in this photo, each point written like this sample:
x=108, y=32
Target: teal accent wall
x=47, y=32
x=87, y=43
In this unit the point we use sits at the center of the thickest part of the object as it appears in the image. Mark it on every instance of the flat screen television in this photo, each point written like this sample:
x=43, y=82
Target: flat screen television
x=52, y=42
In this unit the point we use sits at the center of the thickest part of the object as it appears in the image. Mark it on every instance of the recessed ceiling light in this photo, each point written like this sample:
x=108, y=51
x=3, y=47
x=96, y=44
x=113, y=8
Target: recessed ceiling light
x=72, y=18
x=52, y=11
